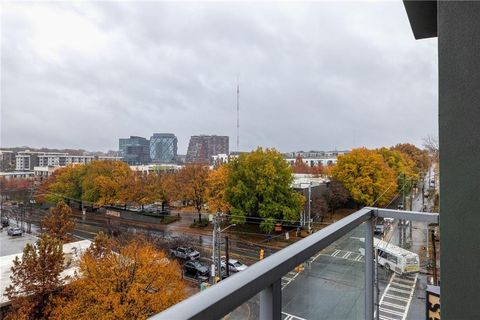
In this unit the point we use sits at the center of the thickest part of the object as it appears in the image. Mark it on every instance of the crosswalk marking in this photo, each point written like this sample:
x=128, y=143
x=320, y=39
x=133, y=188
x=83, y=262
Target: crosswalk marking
x=289, y=316
x=383, y=317
x=402, y=285
x=393, y=292
x=396, y=297
x=400, y=290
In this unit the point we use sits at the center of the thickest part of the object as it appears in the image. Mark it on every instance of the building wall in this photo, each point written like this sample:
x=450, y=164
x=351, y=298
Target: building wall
x=459, y=134
x=134, y=150
x=202, y=148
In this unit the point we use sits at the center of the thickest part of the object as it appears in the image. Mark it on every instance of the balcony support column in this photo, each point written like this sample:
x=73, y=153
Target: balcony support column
x=271, y=301
x=369, y=270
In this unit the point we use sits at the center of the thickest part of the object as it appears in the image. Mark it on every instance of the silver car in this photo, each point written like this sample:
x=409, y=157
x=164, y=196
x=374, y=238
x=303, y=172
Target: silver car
x=14, y=231
x=234, y=265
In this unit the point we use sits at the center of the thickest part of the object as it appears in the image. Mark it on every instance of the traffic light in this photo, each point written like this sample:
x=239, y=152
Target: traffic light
x=262, y=254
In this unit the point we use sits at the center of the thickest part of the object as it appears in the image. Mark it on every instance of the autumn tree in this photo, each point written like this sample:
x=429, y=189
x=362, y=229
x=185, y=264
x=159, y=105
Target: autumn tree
x=135, y=189
x=336, y=195
x=259, y=185
x=217, y=183
x=64, y=184
x=162, y=187
x=299, y=166
x=366, y=176
x=420, y=157
x=36, y=279
x=133, y=282
x=58, y=223
x=103, y=180
x=191, y=182
x=401, y=164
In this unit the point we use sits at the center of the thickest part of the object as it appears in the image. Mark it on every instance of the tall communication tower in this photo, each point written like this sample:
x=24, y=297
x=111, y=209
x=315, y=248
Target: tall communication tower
x=238, y=115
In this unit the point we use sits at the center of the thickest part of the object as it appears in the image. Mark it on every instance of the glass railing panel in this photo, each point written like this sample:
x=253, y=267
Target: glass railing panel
x=249, y=310
x=330, y=284
x=406, y=265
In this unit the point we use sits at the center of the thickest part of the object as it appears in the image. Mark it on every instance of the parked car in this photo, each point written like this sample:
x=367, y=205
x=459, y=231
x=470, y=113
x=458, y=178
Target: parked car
x=234, y=265
x=13, y=231
x=196, y=269
x=185, y=253
x=5, y=222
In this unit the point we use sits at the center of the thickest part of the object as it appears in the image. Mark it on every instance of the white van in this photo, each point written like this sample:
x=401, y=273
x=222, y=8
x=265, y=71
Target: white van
x=396, y=259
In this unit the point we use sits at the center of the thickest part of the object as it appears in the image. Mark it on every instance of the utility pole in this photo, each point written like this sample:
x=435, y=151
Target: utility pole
x=434, y=257
x=309, y=205
x=214, y=231
x=238, y=115
x=401, y=222
x=216, y=247
x=411, y=209
x=227, y=256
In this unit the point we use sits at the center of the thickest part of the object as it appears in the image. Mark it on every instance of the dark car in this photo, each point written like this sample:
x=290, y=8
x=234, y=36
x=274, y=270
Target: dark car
x=196, y=269
x=5, y=222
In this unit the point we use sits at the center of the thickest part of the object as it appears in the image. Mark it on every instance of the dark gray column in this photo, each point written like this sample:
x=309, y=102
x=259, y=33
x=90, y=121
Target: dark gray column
x=459, y=121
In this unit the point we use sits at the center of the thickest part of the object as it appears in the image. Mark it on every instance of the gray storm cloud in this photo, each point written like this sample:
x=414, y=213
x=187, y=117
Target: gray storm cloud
x=312, y=75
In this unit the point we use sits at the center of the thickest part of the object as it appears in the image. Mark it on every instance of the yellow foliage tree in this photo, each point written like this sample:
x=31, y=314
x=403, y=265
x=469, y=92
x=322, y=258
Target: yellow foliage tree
x=103, y=180
x=217, y=183
x=133, y=282
x=366, y=176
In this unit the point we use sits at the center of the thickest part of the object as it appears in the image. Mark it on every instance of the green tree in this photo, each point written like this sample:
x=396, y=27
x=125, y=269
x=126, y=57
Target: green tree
x=36, y=279
x=259, y=185
x=366, y=176
x=59, y=223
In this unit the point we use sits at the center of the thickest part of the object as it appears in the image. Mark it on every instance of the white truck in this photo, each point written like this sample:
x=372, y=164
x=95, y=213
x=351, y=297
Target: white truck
x=185, y=253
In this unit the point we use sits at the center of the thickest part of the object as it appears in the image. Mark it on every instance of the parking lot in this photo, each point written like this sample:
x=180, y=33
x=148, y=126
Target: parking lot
x=11, y=245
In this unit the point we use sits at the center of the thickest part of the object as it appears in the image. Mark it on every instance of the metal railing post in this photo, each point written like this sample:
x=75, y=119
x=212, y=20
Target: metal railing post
x=271, y=302
x=369, y=276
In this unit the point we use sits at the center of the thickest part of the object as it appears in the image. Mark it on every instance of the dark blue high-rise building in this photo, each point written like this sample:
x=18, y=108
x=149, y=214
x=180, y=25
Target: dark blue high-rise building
x=134, y=150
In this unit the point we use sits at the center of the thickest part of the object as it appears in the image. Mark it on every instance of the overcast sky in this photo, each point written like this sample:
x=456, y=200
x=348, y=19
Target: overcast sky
x=313, y=76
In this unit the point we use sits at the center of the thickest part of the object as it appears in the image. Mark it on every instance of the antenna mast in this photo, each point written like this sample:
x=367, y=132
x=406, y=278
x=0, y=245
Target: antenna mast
x=238, y=115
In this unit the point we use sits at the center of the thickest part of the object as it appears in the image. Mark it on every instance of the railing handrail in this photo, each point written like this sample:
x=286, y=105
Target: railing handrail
x=230, y=293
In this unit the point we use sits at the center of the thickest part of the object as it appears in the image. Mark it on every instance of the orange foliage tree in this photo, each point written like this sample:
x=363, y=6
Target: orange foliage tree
x=58, y=223
x=217, y=184
x=192, y=185
x=36, y=280
x=133, y=282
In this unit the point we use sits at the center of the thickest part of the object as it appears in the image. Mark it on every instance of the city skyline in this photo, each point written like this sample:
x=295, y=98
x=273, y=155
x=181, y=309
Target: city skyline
x=112, y=70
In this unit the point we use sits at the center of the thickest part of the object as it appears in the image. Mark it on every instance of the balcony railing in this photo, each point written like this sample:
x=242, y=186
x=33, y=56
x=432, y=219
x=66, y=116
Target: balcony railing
x=265, y=276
